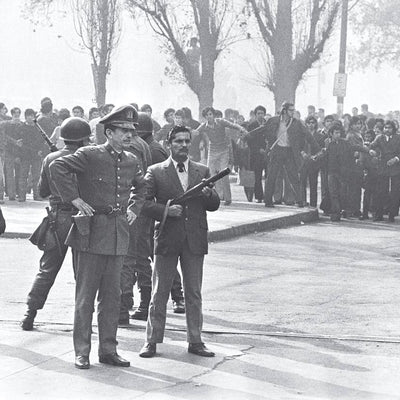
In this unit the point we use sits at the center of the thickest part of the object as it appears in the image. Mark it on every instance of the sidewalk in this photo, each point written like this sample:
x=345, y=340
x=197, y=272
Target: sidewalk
x=240, y=218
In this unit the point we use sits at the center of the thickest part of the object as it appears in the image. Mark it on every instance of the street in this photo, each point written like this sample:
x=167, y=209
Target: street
x=308, y=312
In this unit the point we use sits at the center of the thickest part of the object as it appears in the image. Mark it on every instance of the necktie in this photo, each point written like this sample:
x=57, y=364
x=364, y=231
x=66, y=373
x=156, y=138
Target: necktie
x=181, y=167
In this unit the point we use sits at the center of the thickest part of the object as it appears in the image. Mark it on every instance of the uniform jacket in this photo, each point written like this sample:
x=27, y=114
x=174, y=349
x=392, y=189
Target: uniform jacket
x=388, y=149
x=103, y=179
x=162, y=185
x=298, y=137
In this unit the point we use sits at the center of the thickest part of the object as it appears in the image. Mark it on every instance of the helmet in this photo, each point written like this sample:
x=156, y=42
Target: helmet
x=145, y=124
x=74, y=129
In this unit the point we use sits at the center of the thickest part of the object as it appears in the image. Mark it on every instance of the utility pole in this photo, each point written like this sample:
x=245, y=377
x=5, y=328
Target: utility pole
x=341, y=78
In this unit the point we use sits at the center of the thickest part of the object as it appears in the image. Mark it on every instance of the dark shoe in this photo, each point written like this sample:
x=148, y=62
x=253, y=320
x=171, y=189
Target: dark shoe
x=114, y=359
x=391, y=218
x=363, y=217
x=228, y=202
x=335, y=219
x=27, y=322
x=259, y=201
x=269, y=205
x=278, y=202
x=140, y=314
x=148, y=350
x=82, y=362
x=377, y=218
x=300, y=204
x=179, y=306
x=200, y=349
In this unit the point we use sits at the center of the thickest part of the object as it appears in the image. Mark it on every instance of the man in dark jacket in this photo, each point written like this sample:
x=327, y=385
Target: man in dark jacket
x=180, y=235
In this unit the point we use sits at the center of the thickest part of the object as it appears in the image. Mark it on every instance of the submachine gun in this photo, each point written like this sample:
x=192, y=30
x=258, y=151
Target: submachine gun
x=49, y=143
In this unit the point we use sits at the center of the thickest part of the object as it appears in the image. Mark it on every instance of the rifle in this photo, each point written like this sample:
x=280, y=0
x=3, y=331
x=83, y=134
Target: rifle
x=196, y=190
x=191, y=193
x=51, y=145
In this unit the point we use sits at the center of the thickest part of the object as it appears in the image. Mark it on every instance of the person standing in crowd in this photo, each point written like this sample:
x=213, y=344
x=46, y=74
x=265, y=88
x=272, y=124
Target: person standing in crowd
x=12, y=157
x=388, y=186
x=218, y=153
x=47, y=118
x=149, y=111
x=340, y=164
x=288, y=137
x=55, y=138
x=106, y=175
x=99, y=137
x=354, y=137
x=258, y=152
x=310, y=169
x=78, y=111
x=199, y=148
x=3, y=113
x=161, y=135
x=180, y=235
x=32, y=152
x=75, y=132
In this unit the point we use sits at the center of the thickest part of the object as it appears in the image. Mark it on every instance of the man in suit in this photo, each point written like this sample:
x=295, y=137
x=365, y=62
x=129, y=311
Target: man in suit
x=388, y=144
x=106, y=177
x=287, y=137
x=180, y=234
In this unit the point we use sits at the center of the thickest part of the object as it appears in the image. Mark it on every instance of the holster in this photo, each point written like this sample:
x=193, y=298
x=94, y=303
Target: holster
x=79, y=234
x=43, y=237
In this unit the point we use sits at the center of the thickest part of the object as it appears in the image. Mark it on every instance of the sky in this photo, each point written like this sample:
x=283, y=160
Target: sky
x=46, y=61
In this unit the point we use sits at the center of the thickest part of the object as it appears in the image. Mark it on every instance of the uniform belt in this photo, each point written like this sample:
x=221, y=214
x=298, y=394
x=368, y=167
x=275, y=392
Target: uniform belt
x=63, y=207
x=110, y=210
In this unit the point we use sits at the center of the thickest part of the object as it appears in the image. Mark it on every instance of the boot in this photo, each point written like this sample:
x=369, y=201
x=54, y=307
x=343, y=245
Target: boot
x=29, y=317
x=143, y=310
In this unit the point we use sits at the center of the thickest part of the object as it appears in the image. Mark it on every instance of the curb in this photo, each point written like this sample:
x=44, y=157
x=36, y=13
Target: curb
x=233, y=231
x=261, y=226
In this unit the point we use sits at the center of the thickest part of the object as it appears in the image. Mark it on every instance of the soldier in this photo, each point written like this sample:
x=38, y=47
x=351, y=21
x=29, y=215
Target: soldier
x=75, y=132
x=106, y=176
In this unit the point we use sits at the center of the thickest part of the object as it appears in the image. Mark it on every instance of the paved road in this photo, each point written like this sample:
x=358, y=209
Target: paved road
x=310, y=312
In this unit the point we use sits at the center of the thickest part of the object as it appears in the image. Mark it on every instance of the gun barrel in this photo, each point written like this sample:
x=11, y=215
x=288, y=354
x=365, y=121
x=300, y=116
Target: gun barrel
x=51, y=145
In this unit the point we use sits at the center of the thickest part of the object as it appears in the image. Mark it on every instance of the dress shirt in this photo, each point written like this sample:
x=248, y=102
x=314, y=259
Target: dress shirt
x=183, y=176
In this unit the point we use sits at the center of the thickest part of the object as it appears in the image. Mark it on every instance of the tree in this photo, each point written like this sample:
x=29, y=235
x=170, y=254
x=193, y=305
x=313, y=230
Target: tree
x=294, y=34
x=173, y=22
x=97, y=23
x=377, y=25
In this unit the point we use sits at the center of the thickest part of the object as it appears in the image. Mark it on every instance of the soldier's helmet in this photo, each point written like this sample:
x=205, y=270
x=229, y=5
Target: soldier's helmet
x=74, y=129
x=145, y=124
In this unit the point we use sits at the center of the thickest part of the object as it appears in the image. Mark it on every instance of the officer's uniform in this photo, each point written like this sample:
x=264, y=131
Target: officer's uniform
x=73, y=130
x=104, y=181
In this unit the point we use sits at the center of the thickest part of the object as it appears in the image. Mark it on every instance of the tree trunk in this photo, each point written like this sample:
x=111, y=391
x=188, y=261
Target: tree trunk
x=205, y=94
x=285, y=90
x=101, y=88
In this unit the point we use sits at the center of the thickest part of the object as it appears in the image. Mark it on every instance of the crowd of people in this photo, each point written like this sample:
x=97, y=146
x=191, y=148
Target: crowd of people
x=293, y=155
x=117, y=172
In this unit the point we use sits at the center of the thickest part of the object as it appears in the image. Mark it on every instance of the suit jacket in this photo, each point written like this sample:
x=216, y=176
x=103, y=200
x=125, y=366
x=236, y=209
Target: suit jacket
x=388, y=149
x=163, y=184
x=103, y=179
x=298, y=136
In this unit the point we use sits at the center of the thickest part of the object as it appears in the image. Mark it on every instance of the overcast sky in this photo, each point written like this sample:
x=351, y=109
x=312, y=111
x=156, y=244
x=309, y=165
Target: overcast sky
x=47, y=62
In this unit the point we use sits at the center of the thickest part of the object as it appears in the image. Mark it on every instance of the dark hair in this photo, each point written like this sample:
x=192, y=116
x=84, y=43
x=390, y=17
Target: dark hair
x=336, y=126
x=15, y=110
x=370, y=132
x=311, y=107
x=207, y=110
x=354, y=120
x=29, y=111
x=218, y=114
x=311, y=118
x=392, y=124
x=285, y=105
x=330, y=116
x=260, y=108
x=371, y=123
x=78, y=108
x=146, y=107
x=188, y=112
x=92, y=110
x=379, y=120
x=2, y=105
x=168, y=111
x=175, y=130
x=63, y=114
x=180, y=113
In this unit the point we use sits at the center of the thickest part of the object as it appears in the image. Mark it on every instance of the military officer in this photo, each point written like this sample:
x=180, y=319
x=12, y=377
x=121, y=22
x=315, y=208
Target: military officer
x=75, y=132
x=106, y=175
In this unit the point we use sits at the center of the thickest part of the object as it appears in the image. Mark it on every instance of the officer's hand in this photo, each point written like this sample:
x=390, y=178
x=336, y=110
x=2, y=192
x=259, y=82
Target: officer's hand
x=131, y=216
x=83, y=207
x=175, y=210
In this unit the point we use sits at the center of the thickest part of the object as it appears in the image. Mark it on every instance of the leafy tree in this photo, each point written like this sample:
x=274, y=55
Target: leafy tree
x=294, y=34
x=97, y=23
x=175, y=22
x=377, y=25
